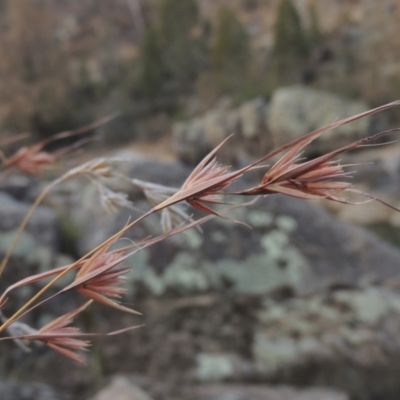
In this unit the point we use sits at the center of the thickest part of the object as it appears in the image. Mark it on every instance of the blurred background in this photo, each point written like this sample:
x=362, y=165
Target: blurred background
x=303, y=306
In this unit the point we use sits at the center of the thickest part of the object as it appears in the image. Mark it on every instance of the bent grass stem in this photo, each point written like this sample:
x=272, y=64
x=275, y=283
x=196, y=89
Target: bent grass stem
x=25, y=221
x=22, y=310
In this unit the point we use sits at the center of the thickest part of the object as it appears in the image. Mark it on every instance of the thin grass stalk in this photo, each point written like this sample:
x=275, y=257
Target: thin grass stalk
x=25, y=221
x=46, y=190
x=25, y=307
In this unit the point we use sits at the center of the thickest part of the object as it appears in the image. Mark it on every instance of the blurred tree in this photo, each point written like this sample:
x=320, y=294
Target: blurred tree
x=152, y=69
x=230, y=53
x=231, y=48
x=291, y=48
x=34, y=91
x=315, y=35
x=177, y=21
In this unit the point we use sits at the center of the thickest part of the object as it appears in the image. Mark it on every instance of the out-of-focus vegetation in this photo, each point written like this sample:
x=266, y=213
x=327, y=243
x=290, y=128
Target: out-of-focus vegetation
x=66, y=63
x=291, y=45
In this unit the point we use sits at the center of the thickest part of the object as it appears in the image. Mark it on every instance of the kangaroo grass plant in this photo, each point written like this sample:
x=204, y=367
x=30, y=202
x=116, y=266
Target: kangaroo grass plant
x=99, y=275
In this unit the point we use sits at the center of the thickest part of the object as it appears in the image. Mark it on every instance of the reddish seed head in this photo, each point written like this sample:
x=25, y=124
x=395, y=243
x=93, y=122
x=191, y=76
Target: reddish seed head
x=31, y=159
x=204, y=184
x=99, y=277
x=318, y=182
x=57, y=335
x=314, y=179
x=63, y=338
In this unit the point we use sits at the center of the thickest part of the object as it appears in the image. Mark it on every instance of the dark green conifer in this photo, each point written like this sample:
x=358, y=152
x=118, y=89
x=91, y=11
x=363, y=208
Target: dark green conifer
x=291, y=48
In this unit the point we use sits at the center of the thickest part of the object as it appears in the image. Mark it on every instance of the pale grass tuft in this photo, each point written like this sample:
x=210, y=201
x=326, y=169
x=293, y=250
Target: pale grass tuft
x=17, y=329
x=113, y=201
x=99, y=168
x=171, y=216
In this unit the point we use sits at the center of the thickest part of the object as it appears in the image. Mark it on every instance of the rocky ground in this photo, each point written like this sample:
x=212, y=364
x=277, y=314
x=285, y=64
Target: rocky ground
x=301, y=306
x=260, y=126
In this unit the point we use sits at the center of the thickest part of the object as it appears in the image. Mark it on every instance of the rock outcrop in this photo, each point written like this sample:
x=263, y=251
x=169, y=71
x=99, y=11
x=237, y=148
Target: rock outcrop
x=258, y=126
